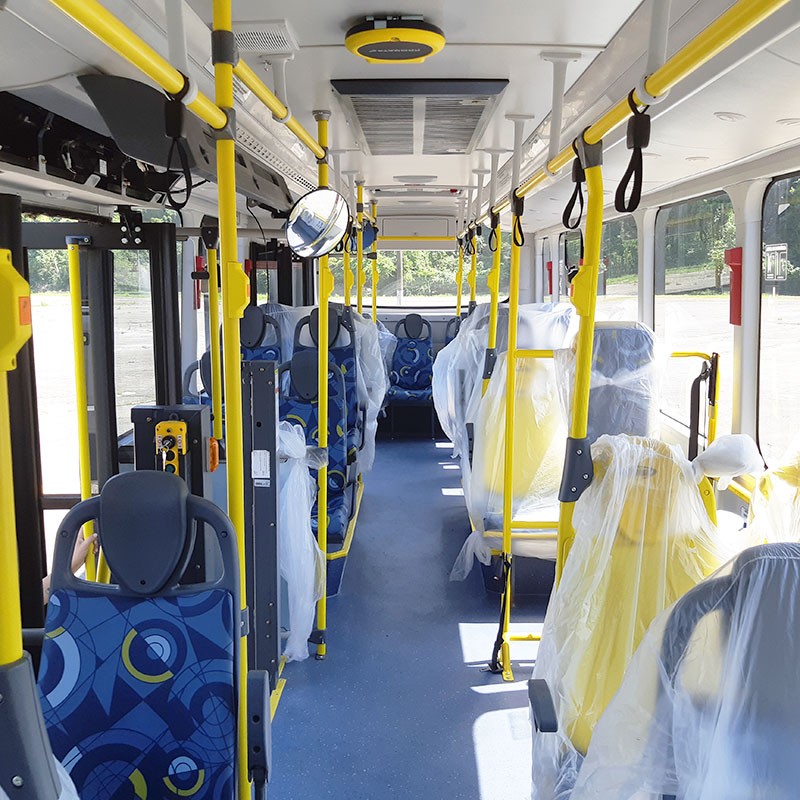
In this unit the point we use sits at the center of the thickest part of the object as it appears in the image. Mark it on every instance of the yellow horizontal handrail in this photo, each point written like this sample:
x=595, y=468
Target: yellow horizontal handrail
x=691, y=354
x=417, y=239
x=534, y=353
x=249, y=78
x=100, y=22
x=740, y=491
x=740, y=18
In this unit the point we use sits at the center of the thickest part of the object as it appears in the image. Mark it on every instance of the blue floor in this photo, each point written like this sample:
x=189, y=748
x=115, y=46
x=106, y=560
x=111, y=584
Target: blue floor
x=400, y=707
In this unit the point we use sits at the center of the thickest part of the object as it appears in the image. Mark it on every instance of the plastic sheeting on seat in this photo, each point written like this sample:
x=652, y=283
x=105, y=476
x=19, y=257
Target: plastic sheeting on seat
x=539, y=436
x=643, y=538
x=775, y=504
x=624, y=382
x=709, y=705
x=302, y=563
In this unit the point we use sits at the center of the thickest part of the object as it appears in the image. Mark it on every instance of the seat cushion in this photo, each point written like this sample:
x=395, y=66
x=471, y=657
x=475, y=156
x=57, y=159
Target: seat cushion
x=397, y=394
x=412, y=364
x=138, y=694
x=338, y=516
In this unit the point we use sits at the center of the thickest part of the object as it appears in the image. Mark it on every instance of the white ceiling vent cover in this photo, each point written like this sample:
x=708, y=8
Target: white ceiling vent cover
x=265, y=38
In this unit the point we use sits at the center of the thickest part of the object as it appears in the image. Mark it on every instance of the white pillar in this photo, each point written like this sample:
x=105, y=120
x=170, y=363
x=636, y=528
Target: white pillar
x=526, y=268
x=646, y=233
x=747, y=199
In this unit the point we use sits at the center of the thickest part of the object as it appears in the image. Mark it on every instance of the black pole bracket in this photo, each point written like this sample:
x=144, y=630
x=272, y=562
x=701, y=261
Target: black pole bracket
x=223, y=48
x=490, y=359
x=578, y=470
x=229, y=131
x=591, y=155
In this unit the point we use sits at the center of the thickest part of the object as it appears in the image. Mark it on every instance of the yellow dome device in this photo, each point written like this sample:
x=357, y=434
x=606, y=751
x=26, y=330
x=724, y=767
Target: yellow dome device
x=394, y=40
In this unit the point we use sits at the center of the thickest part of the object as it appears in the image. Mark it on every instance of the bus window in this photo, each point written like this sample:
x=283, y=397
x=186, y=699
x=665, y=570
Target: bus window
x=780, y=314
x=618, y=281
x=692, y=286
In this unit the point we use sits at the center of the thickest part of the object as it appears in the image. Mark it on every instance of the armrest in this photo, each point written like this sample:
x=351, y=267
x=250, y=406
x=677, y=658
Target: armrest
x=259, y=728
x=544, y=712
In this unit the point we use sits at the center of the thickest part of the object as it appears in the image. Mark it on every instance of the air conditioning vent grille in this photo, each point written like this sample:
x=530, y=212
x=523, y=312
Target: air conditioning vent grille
x=265, y=38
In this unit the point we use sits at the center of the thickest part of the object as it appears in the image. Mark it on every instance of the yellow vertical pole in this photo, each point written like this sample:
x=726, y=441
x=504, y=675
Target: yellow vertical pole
x=81, y=391
x=361, y=278
x=473, y=271
x=347, y=269
x=235, y=291
x=213, y=345
x=15, y=330
x=325, y=287
x=494, y=290
x=374, y=257
x=459, y=276
x=584, y=298
x=508, y=438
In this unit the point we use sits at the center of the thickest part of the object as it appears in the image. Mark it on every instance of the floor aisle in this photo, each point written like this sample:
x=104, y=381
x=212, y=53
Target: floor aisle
x=400, y=707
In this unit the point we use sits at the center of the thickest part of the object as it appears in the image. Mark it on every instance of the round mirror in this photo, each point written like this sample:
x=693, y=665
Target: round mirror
x=317, y=223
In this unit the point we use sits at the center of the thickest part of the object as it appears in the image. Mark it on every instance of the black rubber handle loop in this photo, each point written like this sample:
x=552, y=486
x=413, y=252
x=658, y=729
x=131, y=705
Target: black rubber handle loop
x=493, y=240
x=578, y=176
x=638, y=138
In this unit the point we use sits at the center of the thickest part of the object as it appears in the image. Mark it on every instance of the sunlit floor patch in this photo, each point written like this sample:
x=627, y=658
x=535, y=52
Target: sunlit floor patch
x=477, y=640
x=502, y=741
x=452, y=491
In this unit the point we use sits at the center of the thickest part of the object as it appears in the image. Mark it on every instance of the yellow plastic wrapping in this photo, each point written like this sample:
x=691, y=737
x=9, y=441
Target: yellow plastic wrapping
x=710, y=704
x=643, y=538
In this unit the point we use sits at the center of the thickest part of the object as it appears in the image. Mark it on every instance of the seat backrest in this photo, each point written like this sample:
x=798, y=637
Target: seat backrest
x=138, y=681
x=412, y=363
x=643, y=539
x=261, y=336
x=623, y=390
x=451, y=329
x=342, y=351
x=299, y=405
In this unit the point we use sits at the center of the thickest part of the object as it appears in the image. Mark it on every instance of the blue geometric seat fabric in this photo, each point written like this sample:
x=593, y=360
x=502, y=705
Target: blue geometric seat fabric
x=412, y=369
x=400, y=395
x=305, y=413
x=267, y=352
x=338, y=516
x=138, y=696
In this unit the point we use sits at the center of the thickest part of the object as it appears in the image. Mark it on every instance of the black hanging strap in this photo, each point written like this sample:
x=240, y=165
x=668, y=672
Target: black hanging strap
x=578, y=177
x=494, y=664
x=495, y=223
x=518, y=207
x=638, y=138
x=173, y=127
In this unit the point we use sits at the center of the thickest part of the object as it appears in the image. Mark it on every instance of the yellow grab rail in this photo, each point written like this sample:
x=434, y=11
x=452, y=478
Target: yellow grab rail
x=249, y=78
x=213, y=345
x=105, y=26
x=494, y=293
x=347, y=270
x=741, y=17
x=472, y=277
x=361, y=277
x=235, y=295
x=325, y=288
x=374, y=256
x=81, y=393
x=459, y=277
x=584, y=298
x=15, y=330
x=713, y=406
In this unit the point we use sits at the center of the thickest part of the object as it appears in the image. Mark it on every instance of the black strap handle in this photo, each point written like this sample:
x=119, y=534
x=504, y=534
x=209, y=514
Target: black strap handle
x=637, y=139
x=578, y=177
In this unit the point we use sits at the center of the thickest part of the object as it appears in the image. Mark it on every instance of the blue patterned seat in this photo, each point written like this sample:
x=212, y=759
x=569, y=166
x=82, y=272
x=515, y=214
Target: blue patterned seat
x=342, y=350
x=300, y=407
x=261, y=338
x=139, y=678
x=411, y=375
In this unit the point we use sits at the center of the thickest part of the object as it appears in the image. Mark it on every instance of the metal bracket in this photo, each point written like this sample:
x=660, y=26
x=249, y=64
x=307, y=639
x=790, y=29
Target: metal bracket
x=229, y=131
x=490, y=359
x=317, y=637
x=591, y=155
x=578, y=470
x=131, y=225
x=372, y=256
x=223, y=48
x=80, y=240
x=209, y=236
x=244, y=619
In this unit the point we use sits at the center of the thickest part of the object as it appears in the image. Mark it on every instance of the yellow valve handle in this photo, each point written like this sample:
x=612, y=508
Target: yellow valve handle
x=15, y=312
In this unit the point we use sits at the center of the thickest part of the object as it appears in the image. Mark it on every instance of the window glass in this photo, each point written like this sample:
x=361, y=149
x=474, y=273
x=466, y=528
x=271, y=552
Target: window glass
x=618, y=281
x=692, y=288
x=134, y=362
x=424, y=277
x=779, y=382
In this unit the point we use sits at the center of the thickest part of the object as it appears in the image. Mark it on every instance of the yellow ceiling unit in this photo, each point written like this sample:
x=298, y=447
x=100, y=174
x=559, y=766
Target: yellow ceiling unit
x=394, y=40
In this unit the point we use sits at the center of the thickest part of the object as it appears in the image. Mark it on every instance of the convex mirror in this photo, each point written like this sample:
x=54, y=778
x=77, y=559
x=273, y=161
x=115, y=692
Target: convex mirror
x=317, y=223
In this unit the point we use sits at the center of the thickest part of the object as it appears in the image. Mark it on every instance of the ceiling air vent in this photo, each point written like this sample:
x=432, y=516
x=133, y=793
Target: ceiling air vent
x=265, y=38
x=416, y=117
